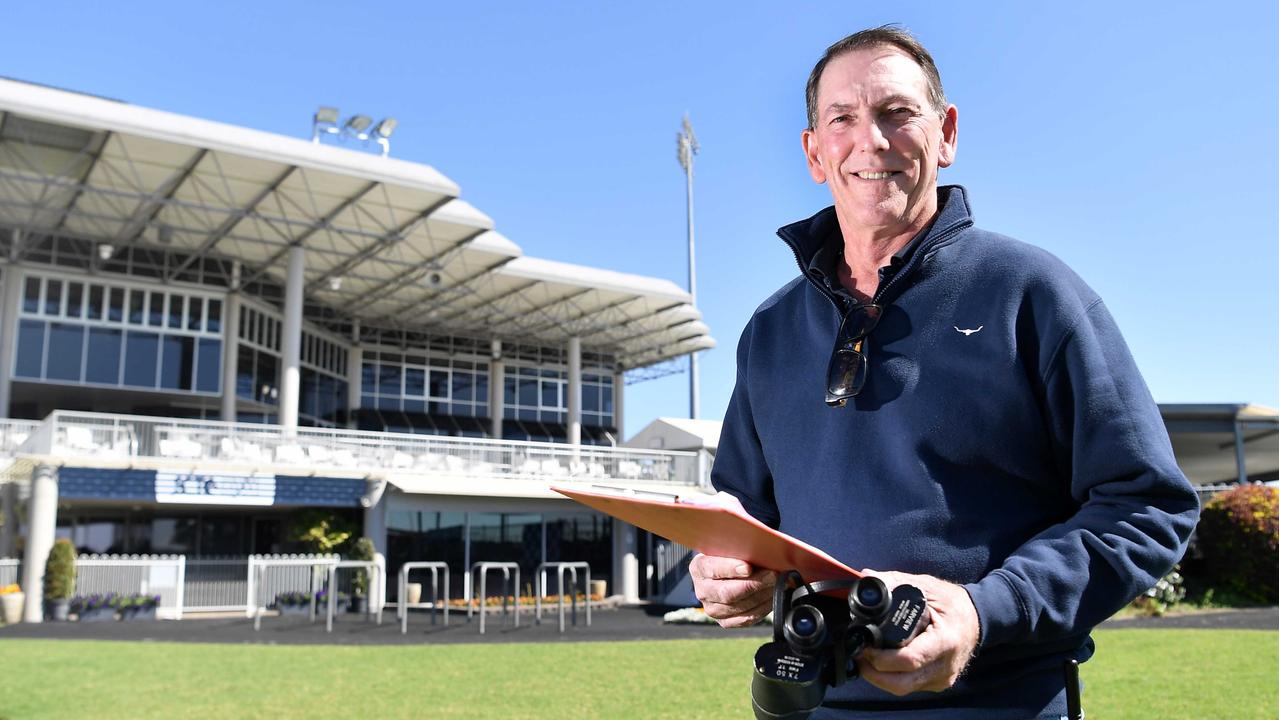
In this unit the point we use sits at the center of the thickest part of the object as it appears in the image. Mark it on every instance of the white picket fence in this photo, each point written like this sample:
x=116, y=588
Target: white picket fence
x=163, y=575
x=9, y=571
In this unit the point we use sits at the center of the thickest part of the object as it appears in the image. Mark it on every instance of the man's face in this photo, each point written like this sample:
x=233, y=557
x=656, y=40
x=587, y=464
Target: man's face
x=878, y=141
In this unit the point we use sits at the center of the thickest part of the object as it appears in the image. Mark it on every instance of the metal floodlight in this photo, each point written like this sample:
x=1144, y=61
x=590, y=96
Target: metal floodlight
x=382, y=133
x=358, y=126
x=164, y=234
x=386, y=127
x=433, y=280
x=324, y=122
x=105, y=251
x=335, y=283
x=327, y=115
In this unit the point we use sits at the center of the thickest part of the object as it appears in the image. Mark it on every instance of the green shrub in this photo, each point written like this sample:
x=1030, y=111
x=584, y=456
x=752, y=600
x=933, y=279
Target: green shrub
x=59, y=571
x=362, y=549
x=1238, y=535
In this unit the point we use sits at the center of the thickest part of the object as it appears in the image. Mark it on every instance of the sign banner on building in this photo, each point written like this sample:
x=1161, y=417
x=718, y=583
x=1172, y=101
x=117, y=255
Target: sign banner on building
x=215, y=488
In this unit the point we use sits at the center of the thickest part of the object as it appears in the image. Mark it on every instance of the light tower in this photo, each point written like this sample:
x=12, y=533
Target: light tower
x=686, y=142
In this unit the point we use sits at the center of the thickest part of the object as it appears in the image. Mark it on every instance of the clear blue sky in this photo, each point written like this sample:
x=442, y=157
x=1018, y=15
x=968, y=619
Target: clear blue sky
x=1153, y=123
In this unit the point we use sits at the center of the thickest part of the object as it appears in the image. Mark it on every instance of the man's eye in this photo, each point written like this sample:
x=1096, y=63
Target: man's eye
x=839, y=119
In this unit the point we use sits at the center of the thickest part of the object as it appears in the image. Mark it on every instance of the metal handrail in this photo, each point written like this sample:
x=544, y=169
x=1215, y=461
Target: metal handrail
x=402, y=608
x=69, y=433
x=561, y=568
x=375, y=570
x=483, y=568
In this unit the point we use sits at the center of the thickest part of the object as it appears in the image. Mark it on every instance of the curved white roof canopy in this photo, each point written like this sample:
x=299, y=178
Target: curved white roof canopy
x=409, y=253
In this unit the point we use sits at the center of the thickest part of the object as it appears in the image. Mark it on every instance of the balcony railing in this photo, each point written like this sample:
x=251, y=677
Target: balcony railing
x=99, y=436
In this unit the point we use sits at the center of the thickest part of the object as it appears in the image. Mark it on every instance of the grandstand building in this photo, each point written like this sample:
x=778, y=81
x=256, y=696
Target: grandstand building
x=206, y=329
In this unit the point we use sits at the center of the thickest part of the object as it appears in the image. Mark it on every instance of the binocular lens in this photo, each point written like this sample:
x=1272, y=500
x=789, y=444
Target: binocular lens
x=805, y=626
x=868, y=594
x=805, y=629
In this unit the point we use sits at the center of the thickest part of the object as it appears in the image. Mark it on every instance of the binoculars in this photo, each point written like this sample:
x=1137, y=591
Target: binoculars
x=817, y=636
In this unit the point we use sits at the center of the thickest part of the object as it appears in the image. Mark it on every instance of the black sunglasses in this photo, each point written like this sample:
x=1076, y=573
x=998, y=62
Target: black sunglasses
x=846, y=372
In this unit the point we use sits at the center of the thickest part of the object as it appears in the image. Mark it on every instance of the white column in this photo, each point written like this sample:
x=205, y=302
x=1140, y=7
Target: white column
x=9, y=511
x=231, y=346
x=291, y=343
x=10, y=301
x=42, y=520
x=354, y=383
x=625, y=562
x=375, y=521
x=619, y=386
x=497, y=389
x=575, y=391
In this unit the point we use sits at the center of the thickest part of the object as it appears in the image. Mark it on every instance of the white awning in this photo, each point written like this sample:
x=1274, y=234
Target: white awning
x=388, y=241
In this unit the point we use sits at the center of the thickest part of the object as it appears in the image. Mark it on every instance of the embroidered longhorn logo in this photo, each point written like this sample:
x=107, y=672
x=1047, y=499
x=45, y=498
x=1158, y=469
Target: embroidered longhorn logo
x=968, y=332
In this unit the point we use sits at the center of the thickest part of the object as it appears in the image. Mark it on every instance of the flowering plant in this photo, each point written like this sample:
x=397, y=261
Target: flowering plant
x=86, y=603
x=292, y=599
x=137, y=600
x=12, y=589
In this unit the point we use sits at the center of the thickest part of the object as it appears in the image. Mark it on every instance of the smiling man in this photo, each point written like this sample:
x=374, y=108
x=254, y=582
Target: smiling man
x=946, y=403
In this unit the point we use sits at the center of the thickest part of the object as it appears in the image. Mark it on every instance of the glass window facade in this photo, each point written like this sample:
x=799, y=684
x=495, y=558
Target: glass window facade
x=525, y=538
x=541, y=394
x=416, y=383
x=85, y=332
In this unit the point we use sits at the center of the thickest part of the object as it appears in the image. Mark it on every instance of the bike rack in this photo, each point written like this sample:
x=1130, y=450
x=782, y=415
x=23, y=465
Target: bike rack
x=403, y=608
x=561, y=568
x=376, y=578
x=483, y=568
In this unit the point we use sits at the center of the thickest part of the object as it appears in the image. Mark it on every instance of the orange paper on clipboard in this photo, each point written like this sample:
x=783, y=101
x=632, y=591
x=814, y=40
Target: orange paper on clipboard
x=714, y=525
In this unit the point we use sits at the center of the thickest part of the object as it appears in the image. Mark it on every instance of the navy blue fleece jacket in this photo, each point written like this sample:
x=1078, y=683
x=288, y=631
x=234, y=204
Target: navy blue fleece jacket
x=1026, y=460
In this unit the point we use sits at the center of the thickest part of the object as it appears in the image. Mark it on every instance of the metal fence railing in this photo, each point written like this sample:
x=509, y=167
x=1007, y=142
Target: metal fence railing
x=9, y=571
x=13, y=433
x=216, y=584
x=270, y=575
x=68, y=433
x=162, y=575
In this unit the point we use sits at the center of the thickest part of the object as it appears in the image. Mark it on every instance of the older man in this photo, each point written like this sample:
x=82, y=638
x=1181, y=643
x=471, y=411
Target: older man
x=948, y=403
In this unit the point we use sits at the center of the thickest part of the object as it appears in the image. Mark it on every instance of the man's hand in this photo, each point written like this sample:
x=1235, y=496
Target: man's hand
x=732, y=592
x=934, y=660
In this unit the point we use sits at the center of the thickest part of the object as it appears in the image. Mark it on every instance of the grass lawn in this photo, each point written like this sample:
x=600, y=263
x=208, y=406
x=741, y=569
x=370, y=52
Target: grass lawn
x=1136, y=674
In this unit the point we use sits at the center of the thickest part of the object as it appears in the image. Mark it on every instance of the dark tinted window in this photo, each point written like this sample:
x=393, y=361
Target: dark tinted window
x=104, y=356
x=30, y=349
x=66, y=351
x=140, y=352
x=179, y=362
x=209, y=369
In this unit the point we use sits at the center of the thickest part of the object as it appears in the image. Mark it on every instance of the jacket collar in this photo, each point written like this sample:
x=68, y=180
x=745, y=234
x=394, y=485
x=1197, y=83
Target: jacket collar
x=807, y=238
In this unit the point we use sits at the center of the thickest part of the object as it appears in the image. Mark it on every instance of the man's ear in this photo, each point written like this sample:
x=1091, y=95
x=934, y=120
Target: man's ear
x=949, y=137
x=813, y=155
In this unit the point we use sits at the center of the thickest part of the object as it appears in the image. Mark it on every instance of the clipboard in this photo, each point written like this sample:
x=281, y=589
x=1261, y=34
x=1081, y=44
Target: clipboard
x=712, y=526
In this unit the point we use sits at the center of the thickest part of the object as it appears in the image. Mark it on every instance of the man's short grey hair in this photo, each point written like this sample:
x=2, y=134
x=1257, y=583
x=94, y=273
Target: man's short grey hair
x=891, y=36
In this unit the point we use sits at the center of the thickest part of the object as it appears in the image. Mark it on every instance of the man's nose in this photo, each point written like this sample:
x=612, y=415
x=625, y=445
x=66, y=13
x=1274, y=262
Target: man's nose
x=871, y=137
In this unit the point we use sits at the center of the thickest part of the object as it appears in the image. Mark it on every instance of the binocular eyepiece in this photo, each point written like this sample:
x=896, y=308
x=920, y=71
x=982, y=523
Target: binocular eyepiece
x=817, y=638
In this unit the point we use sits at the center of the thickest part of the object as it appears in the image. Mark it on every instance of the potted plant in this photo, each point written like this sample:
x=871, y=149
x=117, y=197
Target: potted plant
x=136, y=606
x=95, y=607
x=11, y=599
x=322, y=601
x=59, y=580
x=292, y=603
x=363, y=551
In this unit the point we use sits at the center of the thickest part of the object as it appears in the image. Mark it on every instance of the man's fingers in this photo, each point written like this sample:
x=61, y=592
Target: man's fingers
x=739, y=593
x=719, y=568
x=731, y=617
x=924, y=649
x=894, y=682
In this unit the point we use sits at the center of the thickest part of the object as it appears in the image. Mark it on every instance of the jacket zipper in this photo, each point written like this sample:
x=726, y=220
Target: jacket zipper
x=879, y=294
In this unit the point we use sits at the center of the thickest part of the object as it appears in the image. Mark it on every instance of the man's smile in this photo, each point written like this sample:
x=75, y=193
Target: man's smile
x=877, y=174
